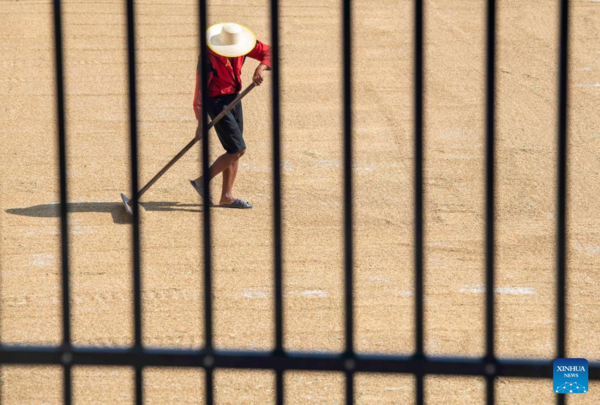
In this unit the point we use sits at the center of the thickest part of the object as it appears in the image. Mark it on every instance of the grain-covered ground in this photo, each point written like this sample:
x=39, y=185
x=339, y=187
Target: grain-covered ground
x=171, y=219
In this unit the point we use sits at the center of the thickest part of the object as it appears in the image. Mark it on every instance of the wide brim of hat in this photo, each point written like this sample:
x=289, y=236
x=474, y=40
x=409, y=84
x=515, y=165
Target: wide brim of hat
x=246, y=44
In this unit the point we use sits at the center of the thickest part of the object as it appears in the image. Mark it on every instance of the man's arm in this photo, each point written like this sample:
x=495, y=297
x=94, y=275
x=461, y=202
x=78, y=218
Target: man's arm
x=198, y=98
x=262, y=53
x=198, y=105
x=258, y=77
x=198, y=94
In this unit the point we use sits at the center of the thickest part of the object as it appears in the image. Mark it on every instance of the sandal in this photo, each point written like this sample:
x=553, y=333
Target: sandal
x=200, y=191
x=237, y=203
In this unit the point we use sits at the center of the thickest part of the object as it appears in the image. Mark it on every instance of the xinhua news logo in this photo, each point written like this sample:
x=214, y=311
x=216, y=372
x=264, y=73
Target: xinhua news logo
x=570, y=376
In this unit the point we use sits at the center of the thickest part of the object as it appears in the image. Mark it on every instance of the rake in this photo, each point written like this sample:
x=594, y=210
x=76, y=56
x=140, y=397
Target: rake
x=127, y=202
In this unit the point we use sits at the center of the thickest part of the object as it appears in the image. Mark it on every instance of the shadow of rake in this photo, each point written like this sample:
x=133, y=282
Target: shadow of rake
x=116, y=209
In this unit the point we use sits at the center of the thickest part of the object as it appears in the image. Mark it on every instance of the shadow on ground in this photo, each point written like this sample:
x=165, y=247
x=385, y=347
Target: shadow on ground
x=116, y=210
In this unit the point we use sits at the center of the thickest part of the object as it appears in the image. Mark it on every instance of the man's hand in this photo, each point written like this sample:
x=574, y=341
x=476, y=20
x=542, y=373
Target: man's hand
x=199, y=130
x=258, y=78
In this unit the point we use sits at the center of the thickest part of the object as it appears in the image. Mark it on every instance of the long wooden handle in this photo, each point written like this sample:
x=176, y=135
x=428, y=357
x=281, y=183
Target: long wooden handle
x=196, y=139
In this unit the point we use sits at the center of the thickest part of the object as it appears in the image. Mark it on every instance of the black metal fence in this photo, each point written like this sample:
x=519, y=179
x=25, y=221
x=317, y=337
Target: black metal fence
x=349, y=362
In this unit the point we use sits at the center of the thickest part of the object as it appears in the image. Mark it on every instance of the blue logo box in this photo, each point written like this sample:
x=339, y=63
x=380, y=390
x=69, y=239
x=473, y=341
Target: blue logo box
x=570, y=376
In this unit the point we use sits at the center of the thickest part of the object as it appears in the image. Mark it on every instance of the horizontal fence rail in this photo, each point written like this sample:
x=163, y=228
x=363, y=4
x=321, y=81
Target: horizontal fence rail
x=349, y=362
x=292, y=361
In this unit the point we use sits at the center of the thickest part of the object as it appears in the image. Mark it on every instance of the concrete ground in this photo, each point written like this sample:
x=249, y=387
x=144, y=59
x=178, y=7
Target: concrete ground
x=171, y=219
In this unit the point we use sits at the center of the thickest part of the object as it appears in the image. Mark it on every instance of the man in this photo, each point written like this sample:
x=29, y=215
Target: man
x=229, y=44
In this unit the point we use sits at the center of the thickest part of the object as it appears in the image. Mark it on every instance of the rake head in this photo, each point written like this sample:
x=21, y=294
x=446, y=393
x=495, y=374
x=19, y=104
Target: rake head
x=127, y=204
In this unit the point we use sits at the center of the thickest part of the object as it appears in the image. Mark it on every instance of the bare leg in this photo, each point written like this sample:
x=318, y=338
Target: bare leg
x=228, y=180
x=224, y=164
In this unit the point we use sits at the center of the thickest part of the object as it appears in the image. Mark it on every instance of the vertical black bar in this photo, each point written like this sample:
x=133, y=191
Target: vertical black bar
x=561, y=221
x=277, y=220
x=348, y=210
x=419, y=194
x=349, y=387
x=139, y=384
x=280, y=394
x=64, y=220
x=208, y=314
x=489, y=195
x=133, y=131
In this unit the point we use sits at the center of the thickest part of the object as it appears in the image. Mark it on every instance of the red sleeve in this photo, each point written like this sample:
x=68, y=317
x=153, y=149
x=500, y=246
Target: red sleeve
x=198, y=90
x=262, y=53
x=198, y=98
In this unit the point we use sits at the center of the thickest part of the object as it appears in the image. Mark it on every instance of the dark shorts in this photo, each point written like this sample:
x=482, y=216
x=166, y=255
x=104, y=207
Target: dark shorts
x=230, y=128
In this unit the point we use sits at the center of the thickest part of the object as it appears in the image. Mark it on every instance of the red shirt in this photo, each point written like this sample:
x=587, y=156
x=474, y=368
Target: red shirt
x=224, y=76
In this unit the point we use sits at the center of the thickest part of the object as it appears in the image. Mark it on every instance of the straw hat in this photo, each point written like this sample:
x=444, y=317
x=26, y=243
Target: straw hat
x=230, y=39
